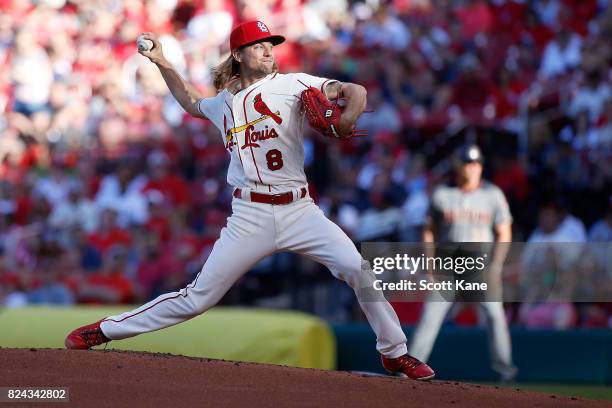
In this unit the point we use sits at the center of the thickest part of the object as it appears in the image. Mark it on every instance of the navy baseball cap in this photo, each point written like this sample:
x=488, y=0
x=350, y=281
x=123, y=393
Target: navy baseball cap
x=469, y=154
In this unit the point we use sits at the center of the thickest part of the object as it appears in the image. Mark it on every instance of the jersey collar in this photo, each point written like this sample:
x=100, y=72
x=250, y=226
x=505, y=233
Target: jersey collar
x=465, y=190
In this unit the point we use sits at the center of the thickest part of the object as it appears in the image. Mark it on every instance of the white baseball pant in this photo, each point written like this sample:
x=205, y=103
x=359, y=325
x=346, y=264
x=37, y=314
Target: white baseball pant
x=254, y=231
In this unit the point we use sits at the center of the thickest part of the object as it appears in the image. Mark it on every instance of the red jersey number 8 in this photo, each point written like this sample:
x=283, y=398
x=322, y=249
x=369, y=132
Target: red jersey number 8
x=274, y=158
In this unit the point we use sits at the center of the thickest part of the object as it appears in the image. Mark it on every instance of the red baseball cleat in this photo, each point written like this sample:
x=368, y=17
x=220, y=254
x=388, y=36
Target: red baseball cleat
x=408, y=366
x=85, y=337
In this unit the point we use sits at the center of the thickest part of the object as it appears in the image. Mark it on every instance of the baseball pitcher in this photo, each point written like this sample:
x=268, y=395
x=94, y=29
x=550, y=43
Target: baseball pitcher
x=260, y=115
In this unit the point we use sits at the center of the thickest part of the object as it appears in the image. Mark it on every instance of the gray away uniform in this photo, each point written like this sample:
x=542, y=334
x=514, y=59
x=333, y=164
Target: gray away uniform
x=466, y=216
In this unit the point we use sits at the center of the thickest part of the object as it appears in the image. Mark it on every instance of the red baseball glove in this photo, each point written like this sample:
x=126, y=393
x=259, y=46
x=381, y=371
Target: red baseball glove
x=323, y=114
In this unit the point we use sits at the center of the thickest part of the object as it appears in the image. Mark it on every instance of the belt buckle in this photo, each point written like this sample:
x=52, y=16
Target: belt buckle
x=276, y=198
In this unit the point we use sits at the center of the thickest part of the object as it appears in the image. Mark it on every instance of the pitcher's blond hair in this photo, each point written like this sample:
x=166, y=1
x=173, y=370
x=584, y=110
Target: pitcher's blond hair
x=226, y=71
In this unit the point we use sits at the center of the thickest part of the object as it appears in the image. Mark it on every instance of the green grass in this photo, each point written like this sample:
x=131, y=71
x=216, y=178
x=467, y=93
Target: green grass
x=602, y=392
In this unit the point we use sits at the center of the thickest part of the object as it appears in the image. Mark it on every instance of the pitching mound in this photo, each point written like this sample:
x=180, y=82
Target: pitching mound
x=115, y=378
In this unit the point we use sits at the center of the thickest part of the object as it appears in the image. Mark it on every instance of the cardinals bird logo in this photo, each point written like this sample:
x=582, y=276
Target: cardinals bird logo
x=261, y=107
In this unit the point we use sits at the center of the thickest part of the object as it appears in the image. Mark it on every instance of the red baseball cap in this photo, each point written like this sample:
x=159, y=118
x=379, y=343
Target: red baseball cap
x=251, y=32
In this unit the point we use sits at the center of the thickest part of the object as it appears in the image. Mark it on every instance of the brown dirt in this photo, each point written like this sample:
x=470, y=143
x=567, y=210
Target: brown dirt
x=117, y=378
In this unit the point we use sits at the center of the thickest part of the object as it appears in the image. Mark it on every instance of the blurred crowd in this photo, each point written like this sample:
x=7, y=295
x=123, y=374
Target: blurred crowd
x=110, y=193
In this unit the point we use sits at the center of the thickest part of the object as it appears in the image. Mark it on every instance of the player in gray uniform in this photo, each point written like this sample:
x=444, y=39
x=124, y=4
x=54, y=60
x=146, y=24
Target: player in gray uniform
x=473, y=211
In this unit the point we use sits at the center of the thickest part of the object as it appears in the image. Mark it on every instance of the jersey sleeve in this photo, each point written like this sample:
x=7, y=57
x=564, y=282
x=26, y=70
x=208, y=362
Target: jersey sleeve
x=301, y=81
x=501, y=212
x=212, y=108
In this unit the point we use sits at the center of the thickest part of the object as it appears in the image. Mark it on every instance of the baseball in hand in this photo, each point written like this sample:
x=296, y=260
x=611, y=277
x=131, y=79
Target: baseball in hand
x=144, y=44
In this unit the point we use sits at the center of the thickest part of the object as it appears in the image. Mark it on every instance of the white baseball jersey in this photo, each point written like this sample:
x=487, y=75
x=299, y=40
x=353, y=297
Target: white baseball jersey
x=262, y=127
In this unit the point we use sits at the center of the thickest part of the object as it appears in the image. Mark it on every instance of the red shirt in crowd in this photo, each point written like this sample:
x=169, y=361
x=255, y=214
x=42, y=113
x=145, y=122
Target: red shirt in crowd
x=513, y=181
x=173, y=187
x=102, y=241
x=475, y=18
x=115, y=282
x=159, y=225
x=155, y=271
